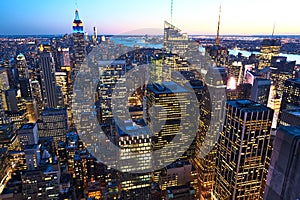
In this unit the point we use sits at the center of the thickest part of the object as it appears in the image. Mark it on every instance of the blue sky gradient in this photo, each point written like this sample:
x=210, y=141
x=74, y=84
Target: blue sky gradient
x=121, y=16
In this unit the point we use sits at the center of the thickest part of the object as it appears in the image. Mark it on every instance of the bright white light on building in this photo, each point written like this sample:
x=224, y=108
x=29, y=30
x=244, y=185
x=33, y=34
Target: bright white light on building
x=231, y=85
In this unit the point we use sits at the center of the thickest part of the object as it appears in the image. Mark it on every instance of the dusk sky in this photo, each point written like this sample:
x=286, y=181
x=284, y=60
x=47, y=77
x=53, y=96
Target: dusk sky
x=121, y=16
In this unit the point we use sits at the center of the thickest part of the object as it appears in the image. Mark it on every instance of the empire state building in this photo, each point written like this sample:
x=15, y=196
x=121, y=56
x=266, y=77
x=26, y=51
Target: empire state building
x=79, y=51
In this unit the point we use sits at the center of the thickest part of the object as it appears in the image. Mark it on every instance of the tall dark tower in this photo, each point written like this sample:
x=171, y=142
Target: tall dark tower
x=48, y=80
x=79, y=51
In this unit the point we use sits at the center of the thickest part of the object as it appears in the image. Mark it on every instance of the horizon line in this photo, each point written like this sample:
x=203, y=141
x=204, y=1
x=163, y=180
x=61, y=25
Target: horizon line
x=110, y=35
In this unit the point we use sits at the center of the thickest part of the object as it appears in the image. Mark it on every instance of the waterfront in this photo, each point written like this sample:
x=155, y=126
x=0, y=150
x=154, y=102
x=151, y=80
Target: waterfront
x=140, y=42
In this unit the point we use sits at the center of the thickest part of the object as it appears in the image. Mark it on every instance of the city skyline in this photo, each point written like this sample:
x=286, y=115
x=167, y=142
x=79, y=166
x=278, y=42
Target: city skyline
x=119, y=17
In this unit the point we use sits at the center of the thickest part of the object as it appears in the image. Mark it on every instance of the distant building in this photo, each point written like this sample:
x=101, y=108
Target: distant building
x=291, y=97
x=235, y=70
x=64, y=57
x=28, y=135
x=53, y=122
x=176, y=174
x=289, y=117
x=32, y=110
x=84, y=170
x=48, y=81
x=42, y=183
x=26, y=88
x=260, y=91
x=4, y=85
x=269, y=48
x=110, y=71
x=32, y=156
x=95, y=35
x=22, y=67
x=174, y=40
x=184, y=192
x=8, y=137
x=5, y=168
x=284, y=179
x=242, y=91
x=11, y=99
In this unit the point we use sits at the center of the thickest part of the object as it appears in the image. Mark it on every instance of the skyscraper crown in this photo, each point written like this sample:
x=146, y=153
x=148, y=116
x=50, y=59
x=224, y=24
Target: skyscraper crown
x=77, y=24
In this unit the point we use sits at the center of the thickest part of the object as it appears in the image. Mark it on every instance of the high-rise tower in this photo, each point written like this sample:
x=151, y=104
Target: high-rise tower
x=79, y=50
x=22, y=66
x=243, y=151
x=269, y=48
x=95, y=35
x=77, y=23
x=283, y=178
x=48, y=81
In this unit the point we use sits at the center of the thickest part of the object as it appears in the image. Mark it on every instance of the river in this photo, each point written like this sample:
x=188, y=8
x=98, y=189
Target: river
x=139, y=41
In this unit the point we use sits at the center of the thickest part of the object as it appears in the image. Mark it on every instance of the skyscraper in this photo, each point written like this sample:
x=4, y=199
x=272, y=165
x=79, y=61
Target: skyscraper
x=79, y=51
x=269, y=48
x=22, y=66
x=174, y=40
x=4, y=85
x=168, y=108
x=64, y=57
x=26, y=88
x=28, y=135
x=283, y=179
x=53, y=123
x=281, y=71
x=243, y=151
x=212, y=95
x=95, y=35
x=11, y=99
x=33, y=156
x=110, y=70
x=290, y=97
x=235, y=70
x=48, y=81
x=135, y=143
x=260, y=91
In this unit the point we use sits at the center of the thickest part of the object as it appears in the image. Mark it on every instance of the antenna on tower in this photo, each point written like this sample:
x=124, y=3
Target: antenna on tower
x=76, y=4
x=172, y=12
x=274, y=26
x=218, y=31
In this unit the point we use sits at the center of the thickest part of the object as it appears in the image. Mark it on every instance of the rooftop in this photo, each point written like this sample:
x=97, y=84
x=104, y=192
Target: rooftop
x=247, y=104
x=167, y=88
x=295, y=112
x=292, y=130
x=271, y=42
x=32, y=146
x=28, y=126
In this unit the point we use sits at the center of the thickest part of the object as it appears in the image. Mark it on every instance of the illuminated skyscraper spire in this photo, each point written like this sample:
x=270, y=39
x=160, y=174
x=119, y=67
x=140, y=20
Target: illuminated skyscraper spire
x=76, y=15
x=218, y=32
x=77, y=23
